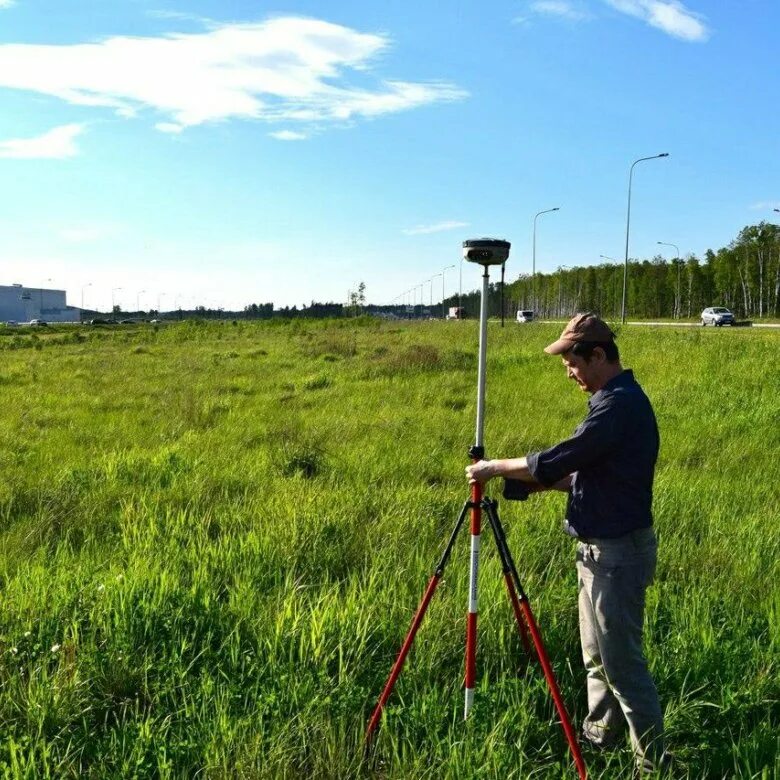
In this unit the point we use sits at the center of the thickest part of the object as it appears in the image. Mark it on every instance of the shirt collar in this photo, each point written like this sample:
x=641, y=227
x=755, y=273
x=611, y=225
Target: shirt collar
x=623, y=379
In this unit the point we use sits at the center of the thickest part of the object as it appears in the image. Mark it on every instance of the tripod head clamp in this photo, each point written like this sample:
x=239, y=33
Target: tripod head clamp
x=486, y=251
x=476, y=452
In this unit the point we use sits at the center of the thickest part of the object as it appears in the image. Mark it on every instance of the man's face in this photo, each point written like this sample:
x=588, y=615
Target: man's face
x=585, y=374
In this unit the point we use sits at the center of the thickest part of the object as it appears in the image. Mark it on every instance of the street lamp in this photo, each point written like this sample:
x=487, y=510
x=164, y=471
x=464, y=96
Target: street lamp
x=533, y=266
x=443, y=271
x=138, y=301
x=435, y=276
x=678, y=303
x=460, y=286
x=628, y=224
x=113, y=290
x=159, y=302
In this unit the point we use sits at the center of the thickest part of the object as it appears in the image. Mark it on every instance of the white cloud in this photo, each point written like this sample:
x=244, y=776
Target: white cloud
x=58, y=144
x=285, y=69
x=671, y=16
x=766, y=205
x=561, y=8
x=7, y=3
x=169, y=127
x=288, y=135
x=437, y=227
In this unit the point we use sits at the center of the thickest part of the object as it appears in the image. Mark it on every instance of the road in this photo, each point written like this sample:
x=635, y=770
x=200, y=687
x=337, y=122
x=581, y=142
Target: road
x=673, y=324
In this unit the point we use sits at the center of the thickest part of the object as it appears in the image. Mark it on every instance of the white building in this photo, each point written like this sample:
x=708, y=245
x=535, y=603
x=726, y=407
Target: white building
x=23, y=304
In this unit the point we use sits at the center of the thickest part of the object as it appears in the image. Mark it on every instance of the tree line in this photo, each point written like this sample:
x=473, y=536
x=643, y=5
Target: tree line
x=744, y=277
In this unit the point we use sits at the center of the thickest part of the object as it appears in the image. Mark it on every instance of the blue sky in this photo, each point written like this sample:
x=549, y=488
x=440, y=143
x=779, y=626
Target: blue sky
x=223, y=153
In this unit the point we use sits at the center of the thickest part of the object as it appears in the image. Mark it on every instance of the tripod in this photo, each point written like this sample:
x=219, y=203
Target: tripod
x=486, y=252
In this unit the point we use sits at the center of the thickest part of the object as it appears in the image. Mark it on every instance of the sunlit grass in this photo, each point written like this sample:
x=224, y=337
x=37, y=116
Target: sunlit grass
x=213, y=537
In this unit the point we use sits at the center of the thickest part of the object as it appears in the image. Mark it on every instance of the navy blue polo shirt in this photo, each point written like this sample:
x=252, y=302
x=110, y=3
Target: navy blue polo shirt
x=612, y=457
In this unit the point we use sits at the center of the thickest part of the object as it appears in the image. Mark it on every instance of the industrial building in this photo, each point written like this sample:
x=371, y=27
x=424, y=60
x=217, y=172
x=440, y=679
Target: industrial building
x=22, y=304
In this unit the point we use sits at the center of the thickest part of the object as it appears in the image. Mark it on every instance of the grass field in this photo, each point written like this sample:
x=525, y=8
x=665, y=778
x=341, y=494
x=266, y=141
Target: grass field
x=213, y=537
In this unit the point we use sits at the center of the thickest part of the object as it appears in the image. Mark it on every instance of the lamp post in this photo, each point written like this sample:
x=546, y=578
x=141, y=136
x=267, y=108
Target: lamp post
x=628, y=225
x=422, y=292
x=138, y=300
x=435, y=276
x=443, y=271
x=159, y=302
x=113, y=290
x=460, y=286
x=678, y=302
x=533, y=261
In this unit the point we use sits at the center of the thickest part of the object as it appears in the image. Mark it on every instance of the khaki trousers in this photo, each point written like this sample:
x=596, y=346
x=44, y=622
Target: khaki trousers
x=613, y=575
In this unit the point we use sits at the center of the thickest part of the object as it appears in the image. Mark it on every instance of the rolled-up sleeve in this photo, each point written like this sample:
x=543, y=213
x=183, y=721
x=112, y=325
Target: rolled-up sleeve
x=594, y=437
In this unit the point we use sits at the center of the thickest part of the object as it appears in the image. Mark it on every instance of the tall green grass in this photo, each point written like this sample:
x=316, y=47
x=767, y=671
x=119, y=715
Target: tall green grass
x=213, y=537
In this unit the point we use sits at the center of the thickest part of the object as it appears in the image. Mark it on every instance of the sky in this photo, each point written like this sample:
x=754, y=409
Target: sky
x=165, y=153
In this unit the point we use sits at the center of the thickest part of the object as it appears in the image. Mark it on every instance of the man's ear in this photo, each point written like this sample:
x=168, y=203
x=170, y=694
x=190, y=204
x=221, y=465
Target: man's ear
x=599, y=354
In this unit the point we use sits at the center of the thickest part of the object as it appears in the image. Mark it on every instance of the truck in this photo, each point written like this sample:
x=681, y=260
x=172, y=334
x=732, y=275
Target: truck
x=455, y=313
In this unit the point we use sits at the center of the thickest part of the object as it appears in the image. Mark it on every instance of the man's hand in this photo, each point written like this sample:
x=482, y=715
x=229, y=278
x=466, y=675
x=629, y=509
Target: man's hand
x=481, y=471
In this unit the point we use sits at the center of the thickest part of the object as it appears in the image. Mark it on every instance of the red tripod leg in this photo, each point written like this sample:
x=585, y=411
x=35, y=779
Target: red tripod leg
x=555, y=692
x=416, y=621
x=549, y=675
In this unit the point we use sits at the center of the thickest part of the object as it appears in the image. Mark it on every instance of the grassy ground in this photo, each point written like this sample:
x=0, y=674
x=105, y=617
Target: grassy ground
x=212, y=539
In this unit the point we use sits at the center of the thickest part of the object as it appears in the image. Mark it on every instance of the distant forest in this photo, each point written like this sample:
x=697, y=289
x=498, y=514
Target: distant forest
x=744, y=276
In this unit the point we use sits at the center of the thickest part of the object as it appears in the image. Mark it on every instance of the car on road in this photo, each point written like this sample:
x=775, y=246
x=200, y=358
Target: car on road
x=524, y=315
x=39, y=323
x=717, y=316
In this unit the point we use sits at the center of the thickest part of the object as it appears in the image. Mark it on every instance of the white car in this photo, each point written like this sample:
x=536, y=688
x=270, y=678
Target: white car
x=717, y=315
x=523, y=315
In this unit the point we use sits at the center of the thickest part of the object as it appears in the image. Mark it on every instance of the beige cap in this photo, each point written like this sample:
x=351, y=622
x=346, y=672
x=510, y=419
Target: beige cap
x=582, y=327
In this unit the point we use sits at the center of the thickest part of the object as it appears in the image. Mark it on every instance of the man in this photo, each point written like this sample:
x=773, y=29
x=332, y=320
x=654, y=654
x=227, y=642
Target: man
x=607, y=469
